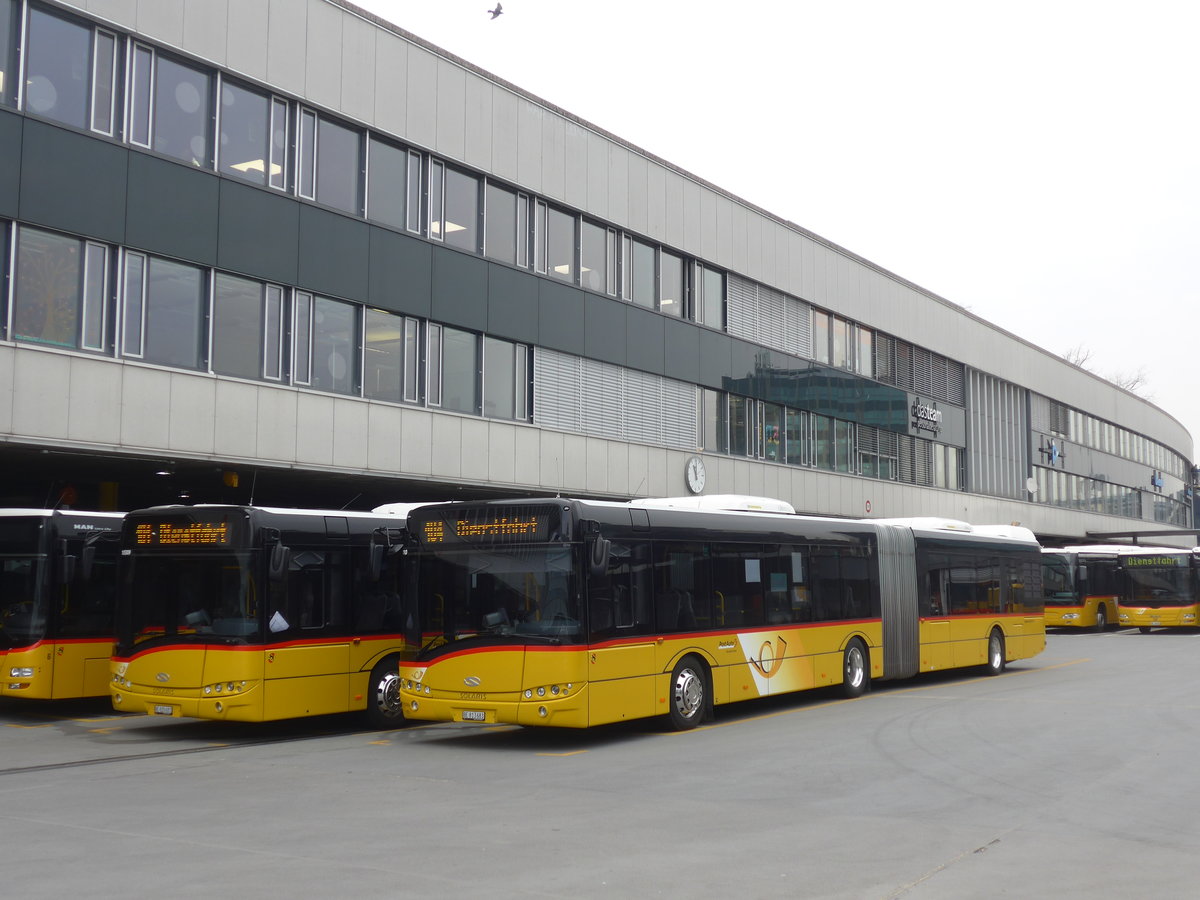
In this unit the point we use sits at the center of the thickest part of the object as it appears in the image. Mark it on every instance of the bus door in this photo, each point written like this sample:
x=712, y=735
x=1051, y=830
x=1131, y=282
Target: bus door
x=307, y=664
x=621, y=657
x=85, y=595
x=937, y=650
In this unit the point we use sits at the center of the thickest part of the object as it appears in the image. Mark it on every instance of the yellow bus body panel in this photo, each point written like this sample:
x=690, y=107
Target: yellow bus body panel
x=1164, y=617
x=961, y=641
x=62, y=670
x=1083, y=616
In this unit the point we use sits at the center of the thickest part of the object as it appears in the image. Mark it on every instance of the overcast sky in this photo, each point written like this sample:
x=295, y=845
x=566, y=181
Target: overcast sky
x=1035, y=162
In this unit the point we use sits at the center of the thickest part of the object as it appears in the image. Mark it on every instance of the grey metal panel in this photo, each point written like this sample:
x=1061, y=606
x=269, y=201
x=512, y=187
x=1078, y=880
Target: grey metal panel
x=618, y=184
x=235, y=424
x=637, y=218
x=350, y=433
x=162, y=21
x=11, y=127
x=323, y=66
x=512, y=304
x=40, y=400
x=529, y=145
x=119, y=12
x=576, y=162
x=645, y=341
x=709, y=230
x=478, y=145
x=723, y=251
x=451, y=104
x=94, y=385
x=447, y=445
x=58, y=168
x=505, y=140
x=421, y=125
x=384, y=424
x=287, y=33
x=391, y=83
x=597, y=176
x=683, y=351
x=560, y=317
x=146, y=393
x=691, y=207
x=258, y=233
x=656, y=201
x=716, y=359
x=898, y=596
x=554, y=156
x=186, y=226
x=401, y=273
x=205, y=23
x=314, y=428
x=744, y=358
x=358, y=68
x=606, y=320
x=246, y=38
x=459, y=289
x=738, y=235
x=675, y=231
x=193, y=410
x=334, y=254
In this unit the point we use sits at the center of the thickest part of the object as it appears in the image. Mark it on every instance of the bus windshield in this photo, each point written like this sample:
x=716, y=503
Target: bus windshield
x=201, y=599
x=1168, y=584
x=22, y=605
x=509, y=594
x=1058, y=580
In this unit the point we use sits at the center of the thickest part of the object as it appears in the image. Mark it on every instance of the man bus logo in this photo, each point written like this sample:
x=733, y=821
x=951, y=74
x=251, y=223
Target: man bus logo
x=768, y=662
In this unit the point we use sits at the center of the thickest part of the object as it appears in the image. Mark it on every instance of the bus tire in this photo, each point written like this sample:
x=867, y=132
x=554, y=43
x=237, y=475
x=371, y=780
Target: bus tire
x=688, y=698
x=856, y=671
x=384, y=709
x=1144, y=629
x=1101, y=618
x=995, y=652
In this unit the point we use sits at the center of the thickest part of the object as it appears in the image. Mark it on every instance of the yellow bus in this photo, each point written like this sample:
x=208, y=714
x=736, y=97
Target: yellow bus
x=577, y=613
x=1160, y=588
x=57, y=588
x=252, y=614
x=1081, y=586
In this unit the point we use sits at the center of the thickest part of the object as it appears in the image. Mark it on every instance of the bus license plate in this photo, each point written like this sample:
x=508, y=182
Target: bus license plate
x=474, y=715
x=164, y=710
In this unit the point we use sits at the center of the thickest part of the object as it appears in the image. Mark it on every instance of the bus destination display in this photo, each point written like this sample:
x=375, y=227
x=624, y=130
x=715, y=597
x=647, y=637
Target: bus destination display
x=190, y=534
x=1159, y=562
x=493, y=528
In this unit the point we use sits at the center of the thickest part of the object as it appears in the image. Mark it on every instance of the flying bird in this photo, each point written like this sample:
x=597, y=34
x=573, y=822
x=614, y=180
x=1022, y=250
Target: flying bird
x=495, y=12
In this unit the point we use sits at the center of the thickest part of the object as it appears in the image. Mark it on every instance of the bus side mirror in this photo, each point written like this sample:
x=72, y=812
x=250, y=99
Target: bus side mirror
x=376, y=561
x=86, y=560
x=281, y=559
x=598, y=555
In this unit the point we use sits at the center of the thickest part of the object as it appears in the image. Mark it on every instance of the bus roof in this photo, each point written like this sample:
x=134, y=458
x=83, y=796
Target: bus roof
x=718, y=502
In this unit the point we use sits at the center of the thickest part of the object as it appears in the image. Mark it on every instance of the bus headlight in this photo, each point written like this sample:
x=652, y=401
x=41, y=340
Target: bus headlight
x=20, y=672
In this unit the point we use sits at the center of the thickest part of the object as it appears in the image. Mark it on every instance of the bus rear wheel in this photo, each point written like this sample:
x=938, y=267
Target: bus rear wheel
x=384, y=709
x=995, y=652
x=689, y=693
x=856, y=677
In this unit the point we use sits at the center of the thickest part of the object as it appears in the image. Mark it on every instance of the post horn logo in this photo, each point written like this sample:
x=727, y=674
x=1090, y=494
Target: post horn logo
x=769, y=658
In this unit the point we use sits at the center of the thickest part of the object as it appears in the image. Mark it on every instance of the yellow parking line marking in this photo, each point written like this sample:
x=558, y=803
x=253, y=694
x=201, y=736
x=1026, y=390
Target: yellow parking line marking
x=568, y=753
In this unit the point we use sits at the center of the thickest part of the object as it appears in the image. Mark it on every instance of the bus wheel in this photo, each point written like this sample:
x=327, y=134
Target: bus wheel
x=995, y=660
x=1101, y=618
x=689, y=691
x=856, y=678
x=383, y=695
x=1144, y=629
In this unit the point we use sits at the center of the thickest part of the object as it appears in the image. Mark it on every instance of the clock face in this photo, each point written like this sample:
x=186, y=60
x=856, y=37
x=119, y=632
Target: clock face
x=694, y=473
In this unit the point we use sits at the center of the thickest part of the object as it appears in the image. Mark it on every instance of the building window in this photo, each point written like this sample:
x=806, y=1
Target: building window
x=500, y=224
x=248, y=136
x=391, y=355
x=433, y=357
x=866, y=351
x=639, y=274
x=459, y=371
x=163, y=309
x=60, y=294
x=798, y=441
x=8, y=52
x=670, y=281
x=712, y=421
x=460, y=227
x=593, y=257
x=247, y=328
x=70, y=69
x=330, y=163
x=560, y=244
x=413, y=206
x=334, y=364
x=302, y=324
x=505, y=380
x=171, y=107
x=708, y=303
x=387, y=183
x=820, y=336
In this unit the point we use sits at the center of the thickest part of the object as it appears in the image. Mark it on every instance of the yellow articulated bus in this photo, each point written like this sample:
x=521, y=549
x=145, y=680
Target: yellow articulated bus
x=252, y=614
x=578, y=613
x=57, y=588
x=1161, y=588
x=1082, y=586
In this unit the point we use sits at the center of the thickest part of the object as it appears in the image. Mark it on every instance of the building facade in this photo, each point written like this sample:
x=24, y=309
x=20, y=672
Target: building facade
x=280, y=250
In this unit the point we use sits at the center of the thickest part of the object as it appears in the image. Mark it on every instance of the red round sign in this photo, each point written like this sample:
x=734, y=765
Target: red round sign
x=868, y=504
